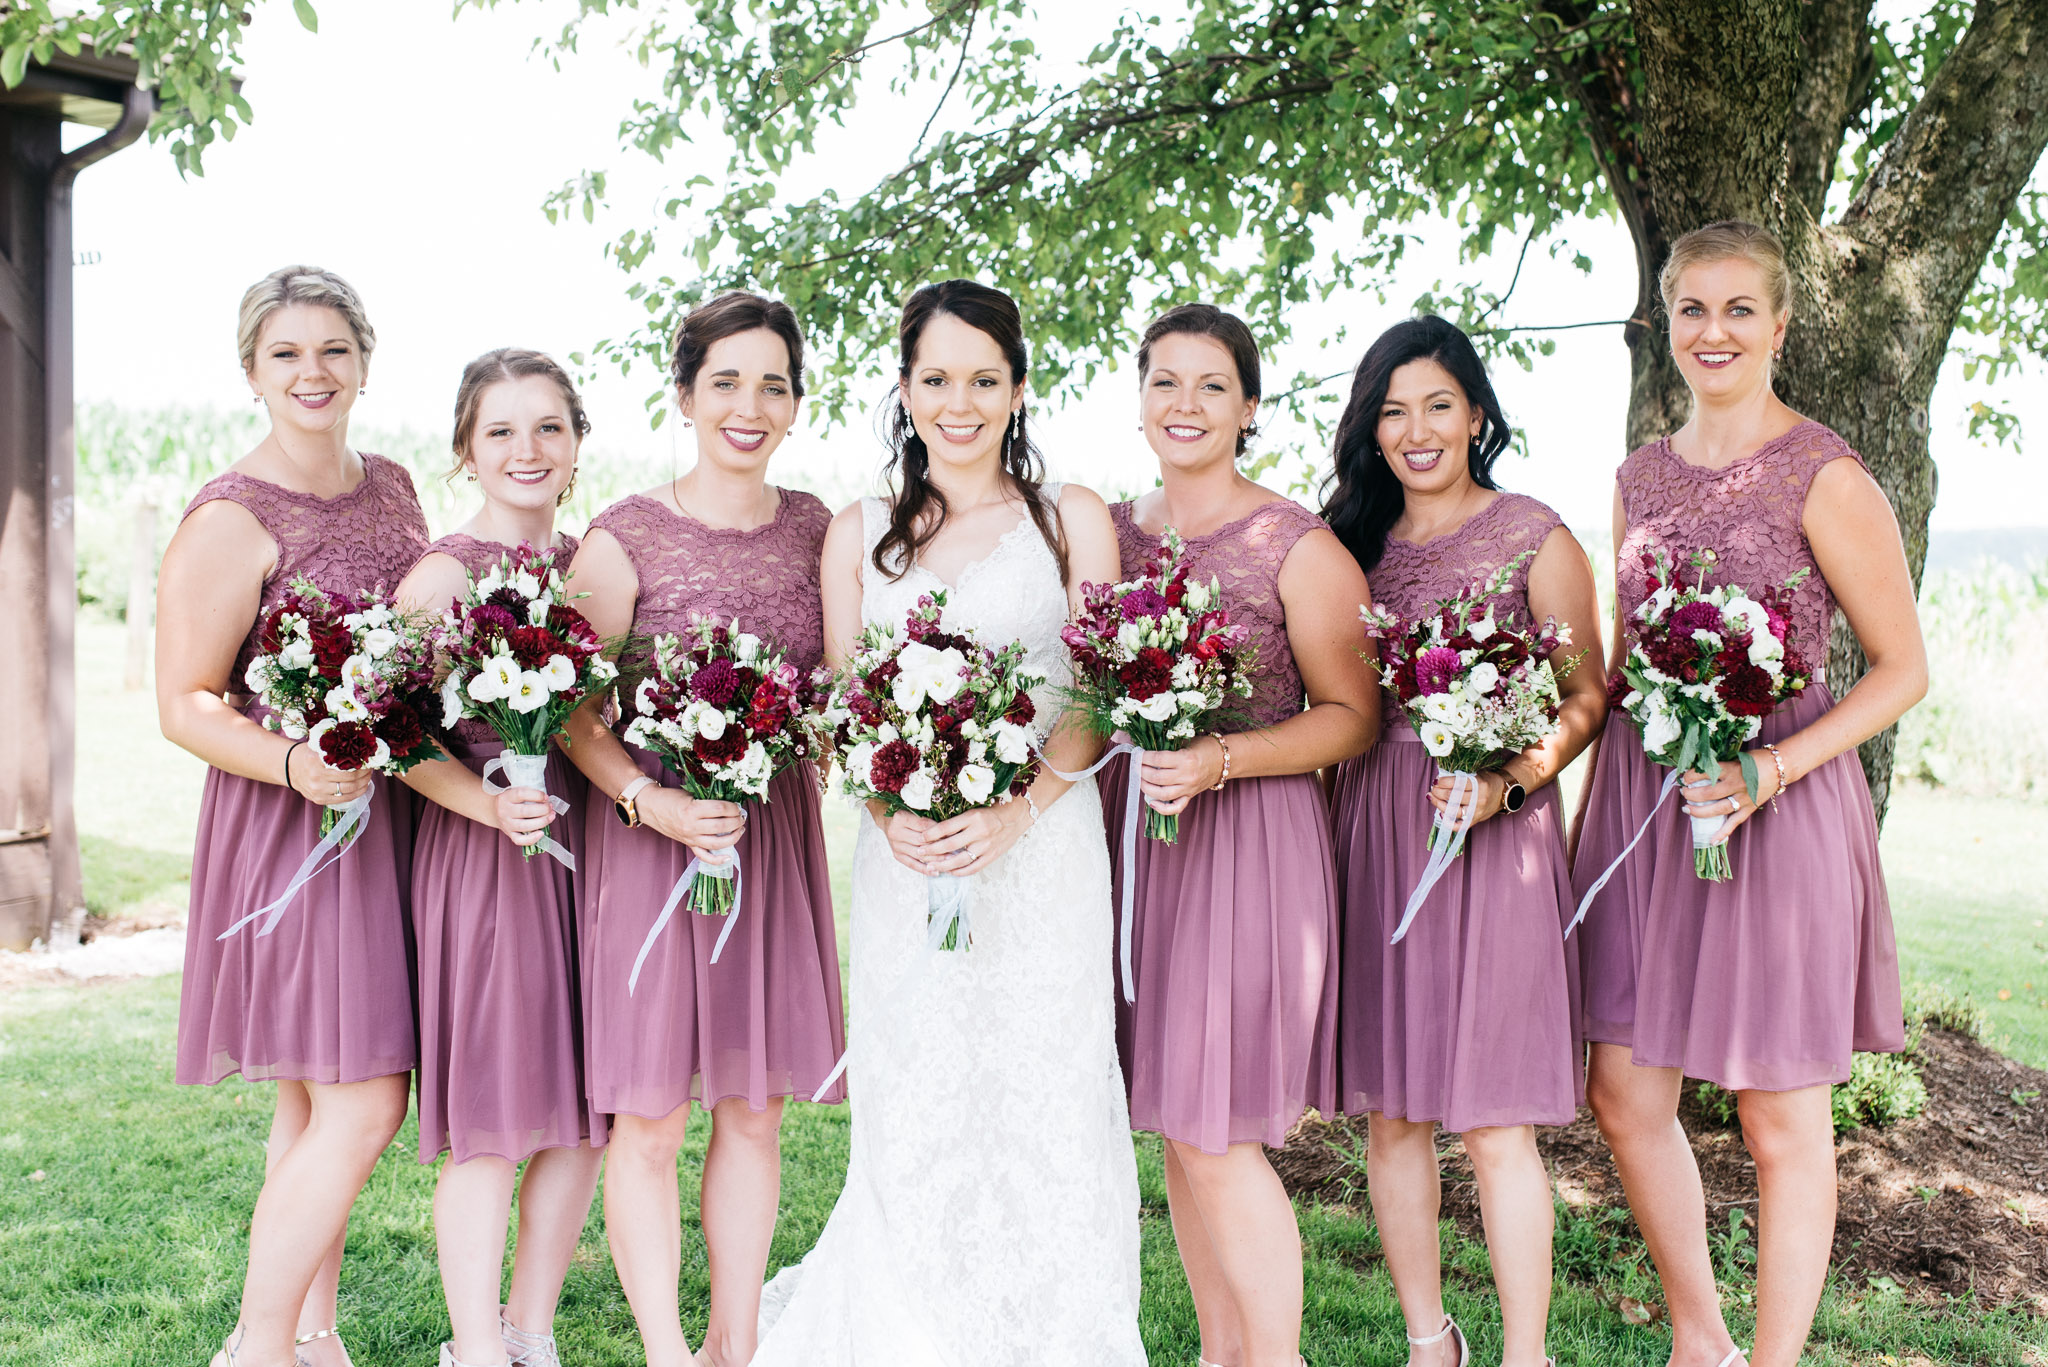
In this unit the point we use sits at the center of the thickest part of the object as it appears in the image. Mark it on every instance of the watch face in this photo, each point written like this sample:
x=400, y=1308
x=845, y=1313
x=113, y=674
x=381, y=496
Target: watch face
x=1515, y=796
x=626, y=813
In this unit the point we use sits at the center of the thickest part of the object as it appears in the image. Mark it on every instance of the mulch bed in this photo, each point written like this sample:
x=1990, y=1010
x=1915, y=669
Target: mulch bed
x=1952, y=1201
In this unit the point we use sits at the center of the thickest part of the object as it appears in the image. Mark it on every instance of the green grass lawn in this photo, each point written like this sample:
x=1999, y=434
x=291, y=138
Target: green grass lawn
x=124, y=1198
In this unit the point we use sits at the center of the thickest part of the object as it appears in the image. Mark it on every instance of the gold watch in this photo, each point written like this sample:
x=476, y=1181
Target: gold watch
x=624, y=804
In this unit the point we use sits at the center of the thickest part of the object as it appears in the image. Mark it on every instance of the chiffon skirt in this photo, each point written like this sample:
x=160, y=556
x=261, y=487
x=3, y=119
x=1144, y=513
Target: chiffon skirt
x=501, y=1025
x=1470, y=1020
x=1234, y=952
x=325, y=997
x=765, y=1020
x=1769, y=980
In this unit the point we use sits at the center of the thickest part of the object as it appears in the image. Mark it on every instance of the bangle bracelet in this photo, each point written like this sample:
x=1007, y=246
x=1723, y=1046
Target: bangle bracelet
x=1783, y=782
x=1224, y=746
x=1032, y=803
x=288, y=766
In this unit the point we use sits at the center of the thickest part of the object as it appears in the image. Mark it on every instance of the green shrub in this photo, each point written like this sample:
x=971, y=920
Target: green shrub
x=1882, y=1089
x=1932, y=1004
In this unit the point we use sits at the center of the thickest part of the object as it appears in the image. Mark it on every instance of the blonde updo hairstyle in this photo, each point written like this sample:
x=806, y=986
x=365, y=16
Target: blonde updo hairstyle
x=512, y=363
x=1727, y=240
x=302, y=285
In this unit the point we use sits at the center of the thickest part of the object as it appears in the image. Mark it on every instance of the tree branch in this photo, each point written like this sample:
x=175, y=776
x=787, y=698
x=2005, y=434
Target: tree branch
x=966, y=39
x=1835, y=71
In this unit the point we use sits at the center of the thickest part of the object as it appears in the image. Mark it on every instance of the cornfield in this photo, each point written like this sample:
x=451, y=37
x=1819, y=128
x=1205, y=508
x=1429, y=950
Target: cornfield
x=1982, y=728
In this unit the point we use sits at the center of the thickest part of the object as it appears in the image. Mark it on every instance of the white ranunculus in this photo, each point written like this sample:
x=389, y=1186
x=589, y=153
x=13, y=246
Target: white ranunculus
x=296, y=655
x=525, y=585
x=529, y=692
x=1159, y=706
x=256, y=677
x=1483, y=678
x=710, y=723
x=857, y=762
x=1196, y=599
x=746, y=648
x=344, y=705
x=917, y=791
x=927, y=673
x=451, y=701
x=1440, y=707
x=1660, y=729
x=382, y=757
x=558, y=673
x=377, y=641
x=1013, y=742
x=976, y=782
x=1482, y=628
x=1436, y=738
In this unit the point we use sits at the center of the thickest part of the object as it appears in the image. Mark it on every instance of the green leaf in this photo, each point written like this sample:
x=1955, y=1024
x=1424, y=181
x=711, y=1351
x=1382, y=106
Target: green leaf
x=14, y=64
x=1749, y=776
x=304, y=9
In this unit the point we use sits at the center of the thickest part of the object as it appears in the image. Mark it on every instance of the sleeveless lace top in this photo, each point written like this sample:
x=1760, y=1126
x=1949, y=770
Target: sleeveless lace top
x=1748, y=513
x=1412, y=578
x=767, y=577
x=476, y=556
x=363, y=541
x=1245, y=557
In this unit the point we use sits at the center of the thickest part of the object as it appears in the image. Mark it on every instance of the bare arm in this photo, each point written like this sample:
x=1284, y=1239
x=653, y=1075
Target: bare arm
x=1617, y=647
x=603, y=570
x=1321, y=588
x=208, y=594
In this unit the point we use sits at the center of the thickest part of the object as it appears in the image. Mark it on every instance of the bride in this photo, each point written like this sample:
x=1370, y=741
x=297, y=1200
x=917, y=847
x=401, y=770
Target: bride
x=990, y=1214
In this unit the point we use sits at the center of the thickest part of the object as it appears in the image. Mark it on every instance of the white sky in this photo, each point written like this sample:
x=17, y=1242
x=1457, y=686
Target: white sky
x=410, y=152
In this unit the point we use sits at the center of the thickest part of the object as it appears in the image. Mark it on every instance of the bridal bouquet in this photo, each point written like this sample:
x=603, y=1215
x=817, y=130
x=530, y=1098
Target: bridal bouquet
x=726, y=712
x=1473, y=689
x=520, y=660
x=1158, y=658
x=932, y=721
x=1707, y=666
x=352, y=677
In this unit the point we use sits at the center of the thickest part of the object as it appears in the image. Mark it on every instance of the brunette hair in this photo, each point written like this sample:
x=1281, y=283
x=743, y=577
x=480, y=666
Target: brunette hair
x=511, y=363
x=1362, y=497
x=920, y=507
x=1206, y=320
x=728, y=315
x=1731, y=239
x=291, y=285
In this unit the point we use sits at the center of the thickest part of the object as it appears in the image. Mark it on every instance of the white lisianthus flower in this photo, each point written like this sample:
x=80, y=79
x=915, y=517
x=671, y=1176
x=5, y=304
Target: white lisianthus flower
x=858, y=761
x=1482, y=628
x=528, y=693
x=1439, y=707
x=377, y=642
x=1484, y=678
x=382, y=757
x=296, y=655
x=970, y=728
x=257, y=676
x=927, y=673
x=504, y=672
x=1193, y=700
x=558, y=673
x=917, y=791
x=525, y=585
x=710, y=722
x=1013, y=742
x=537, y=611
x=1158, y=707
x=746, y=648
x=976, y=782
x=344, y=705
x=1661, y=728
x=1436, y=738
x=451, y=701
x=643, y=697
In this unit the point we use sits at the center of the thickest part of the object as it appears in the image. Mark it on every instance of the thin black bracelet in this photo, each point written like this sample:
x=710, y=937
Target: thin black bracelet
x=288, y=767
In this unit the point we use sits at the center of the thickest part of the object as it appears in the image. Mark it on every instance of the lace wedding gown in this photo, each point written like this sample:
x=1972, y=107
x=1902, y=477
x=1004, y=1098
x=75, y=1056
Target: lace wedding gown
x=990, y=1214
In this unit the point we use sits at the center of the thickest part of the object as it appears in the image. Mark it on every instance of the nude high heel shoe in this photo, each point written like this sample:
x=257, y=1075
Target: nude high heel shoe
x=1464, y=1348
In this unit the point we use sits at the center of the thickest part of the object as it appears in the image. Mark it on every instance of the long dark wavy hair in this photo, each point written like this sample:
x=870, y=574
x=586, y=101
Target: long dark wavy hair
x=920, y=508
x=1362, y=497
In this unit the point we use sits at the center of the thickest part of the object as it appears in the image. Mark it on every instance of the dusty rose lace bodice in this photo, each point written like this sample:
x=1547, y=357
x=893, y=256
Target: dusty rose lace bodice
x=1412, y=577
x=767, y=577
x=1245, y=558
x=1748, y=512
x=363, y=541
x=476, y=556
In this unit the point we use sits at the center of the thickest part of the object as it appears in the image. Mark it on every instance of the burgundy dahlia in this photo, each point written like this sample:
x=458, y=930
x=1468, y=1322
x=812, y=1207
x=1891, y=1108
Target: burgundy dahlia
x=1698, y=615
x=1435, y=668
x=892, y=765
x=715, y=683
x=350, y=745
x=1148, y=675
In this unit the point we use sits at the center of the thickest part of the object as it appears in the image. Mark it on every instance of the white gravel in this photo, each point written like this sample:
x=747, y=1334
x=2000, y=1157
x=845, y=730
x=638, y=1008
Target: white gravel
x=145, y=954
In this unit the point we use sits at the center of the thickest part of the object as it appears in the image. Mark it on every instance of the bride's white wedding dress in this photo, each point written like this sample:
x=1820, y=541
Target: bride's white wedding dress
x=990, y=1215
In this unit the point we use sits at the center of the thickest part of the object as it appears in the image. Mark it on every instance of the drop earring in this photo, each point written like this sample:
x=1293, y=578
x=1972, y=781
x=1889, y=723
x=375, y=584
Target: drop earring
x=1016, y=422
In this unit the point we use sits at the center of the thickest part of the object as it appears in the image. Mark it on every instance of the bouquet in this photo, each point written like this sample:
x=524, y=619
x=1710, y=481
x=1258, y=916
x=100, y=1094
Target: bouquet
x=1707, y=666
x=932, y=721
x=1158, y=658
x=1473, y=689
x=352, y=677
x=520, y=660
x=727, y=713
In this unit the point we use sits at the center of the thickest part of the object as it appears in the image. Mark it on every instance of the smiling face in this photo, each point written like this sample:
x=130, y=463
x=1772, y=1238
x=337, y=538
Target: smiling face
x=1722, y=330
x=523, y=449
x=959, y=393
x=743, y=401
x=1426, y=428
x=308, y=368
x=1193, y=404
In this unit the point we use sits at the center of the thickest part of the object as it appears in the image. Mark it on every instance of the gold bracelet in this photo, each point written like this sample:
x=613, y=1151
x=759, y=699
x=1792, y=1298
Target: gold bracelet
x=1224, y=746
x=1783, y=782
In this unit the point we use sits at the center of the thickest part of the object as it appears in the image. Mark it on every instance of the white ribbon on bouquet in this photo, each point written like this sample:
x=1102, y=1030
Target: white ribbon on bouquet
x=1132, y=806
x=530, y=771
x=1663, y=794
x=329, y=849
x=1444, y=844
x=728, y=870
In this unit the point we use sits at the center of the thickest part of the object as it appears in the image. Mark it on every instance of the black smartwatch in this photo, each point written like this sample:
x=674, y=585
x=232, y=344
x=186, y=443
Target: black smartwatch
x=1511, y=801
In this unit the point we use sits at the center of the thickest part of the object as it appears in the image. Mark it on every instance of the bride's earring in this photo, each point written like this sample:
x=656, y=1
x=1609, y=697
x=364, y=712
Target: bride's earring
x=1016, y=422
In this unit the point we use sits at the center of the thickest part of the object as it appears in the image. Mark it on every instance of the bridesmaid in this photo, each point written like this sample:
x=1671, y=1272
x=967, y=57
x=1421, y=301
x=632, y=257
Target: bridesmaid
x=501, y=1028
x=322, y=1006
x=1766, y=983
x=1233, y=1032
x=1467, y=1022
x=765, y=1022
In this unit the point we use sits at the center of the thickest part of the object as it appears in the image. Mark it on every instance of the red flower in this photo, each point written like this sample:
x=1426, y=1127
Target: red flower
x=332, y=645
x=1148, y=675
x=727, y=748
x=532, y=646
x=349, y=745
x=892, y=765
x=1021, y=710
x=402, y=729
x=715, y=683
x=486, y=618
x=1748, y=691
x=1698, y=615
x=881, y=676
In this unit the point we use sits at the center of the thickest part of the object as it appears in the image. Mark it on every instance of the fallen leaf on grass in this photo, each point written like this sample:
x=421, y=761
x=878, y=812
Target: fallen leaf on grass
x=2005, y=994
x=38, y=1175
x=1634, y=1311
